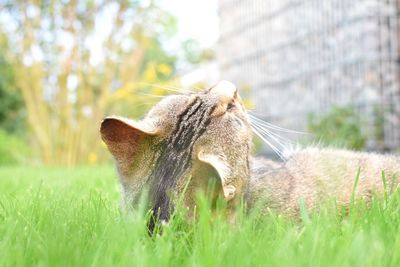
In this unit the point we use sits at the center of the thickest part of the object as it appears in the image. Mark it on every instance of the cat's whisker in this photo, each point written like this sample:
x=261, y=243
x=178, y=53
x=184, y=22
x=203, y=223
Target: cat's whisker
x=273, y=147
x=285, y=152
x=197, y=89
x=181, y=89
x=262, y=123
x=151, y=95
x=266, y=128
x=284, y=145
x=188, y=90
x=169, y=88
x=273, y=126
x=280, y=144
x=269, y=133
x=280, y=129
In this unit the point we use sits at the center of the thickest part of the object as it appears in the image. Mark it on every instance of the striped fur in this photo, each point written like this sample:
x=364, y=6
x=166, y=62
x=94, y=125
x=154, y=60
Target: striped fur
x=186, y=141
x=175, y=157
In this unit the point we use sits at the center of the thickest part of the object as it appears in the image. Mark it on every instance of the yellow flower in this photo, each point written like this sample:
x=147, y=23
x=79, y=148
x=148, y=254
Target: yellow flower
x=121, y=93
x=164, y=69
x=150, y=74
x=92, y=158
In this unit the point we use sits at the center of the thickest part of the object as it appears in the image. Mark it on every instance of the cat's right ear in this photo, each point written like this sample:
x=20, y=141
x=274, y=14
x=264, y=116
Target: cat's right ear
x=223, y=171
x=123, y=136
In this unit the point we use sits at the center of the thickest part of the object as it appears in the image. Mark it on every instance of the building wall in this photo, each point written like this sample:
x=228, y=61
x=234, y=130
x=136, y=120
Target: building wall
x=305, y=56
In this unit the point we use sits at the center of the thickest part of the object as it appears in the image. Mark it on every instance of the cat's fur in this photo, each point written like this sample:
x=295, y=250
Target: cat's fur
x=186, y=141
x=315, y=175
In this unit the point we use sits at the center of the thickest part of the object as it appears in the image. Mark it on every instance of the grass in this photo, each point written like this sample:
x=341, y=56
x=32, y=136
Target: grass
x=71, y=217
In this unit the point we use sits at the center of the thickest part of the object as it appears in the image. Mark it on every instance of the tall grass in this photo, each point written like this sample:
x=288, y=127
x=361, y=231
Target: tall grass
x=71, y=217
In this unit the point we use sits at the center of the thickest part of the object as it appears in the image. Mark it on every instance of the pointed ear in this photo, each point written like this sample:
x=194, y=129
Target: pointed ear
x=223, y=171
x=123, y=136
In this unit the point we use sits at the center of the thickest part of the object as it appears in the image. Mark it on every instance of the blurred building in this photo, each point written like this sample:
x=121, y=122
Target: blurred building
x=302, y=56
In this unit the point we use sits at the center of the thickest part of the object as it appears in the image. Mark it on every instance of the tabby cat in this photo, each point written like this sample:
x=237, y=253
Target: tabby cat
x=186, y=141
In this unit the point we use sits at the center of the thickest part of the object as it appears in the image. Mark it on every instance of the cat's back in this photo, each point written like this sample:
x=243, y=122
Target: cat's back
x=315, y=174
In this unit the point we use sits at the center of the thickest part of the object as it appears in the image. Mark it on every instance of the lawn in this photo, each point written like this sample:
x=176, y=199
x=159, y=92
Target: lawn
x=71, y=217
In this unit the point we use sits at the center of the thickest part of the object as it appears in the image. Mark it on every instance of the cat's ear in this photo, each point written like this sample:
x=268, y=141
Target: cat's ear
x=223, y=170
x=122, y=136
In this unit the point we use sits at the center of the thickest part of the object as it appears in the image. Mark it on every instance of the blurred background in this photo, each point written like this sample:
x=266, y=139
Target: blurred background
x=328, y=67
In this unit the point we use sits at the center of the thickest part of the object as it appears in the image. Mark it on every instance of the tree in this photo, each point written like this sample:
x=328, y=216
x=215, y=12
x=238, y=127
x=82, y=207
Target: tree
x=11, y=105
x=74, y=61
x=10, y=101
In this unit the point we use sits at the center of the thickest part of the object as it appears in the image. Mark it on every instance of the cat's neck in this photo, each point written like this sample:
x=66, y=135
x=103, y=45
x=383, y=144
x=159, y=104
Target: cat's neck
x=270, y=182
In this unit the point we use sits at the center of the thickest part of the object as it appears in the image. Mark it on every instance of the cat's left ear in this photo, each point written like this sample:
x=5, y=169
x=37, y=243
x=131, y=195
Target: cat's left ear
x=123, y=136
x=223, y=170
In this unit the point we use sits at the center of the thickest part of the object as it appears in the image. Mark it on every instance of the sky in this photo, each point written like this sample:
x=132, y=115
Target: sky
x=197, y=19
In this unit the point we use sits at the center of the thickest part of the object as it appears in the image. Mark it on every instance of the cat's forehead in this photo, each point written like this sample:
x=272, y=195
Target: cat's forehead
x=218, y=99
x=170, y=105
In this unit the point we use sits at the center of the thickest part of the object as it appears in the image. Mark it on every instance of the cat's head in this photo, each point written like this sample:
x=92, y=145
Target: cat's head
x=199, y=136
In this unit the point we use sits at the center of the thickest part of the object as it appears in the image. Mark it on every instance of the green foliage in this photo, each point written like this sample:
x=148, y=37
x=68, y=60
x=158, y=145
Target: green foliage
x=71, y=217
x=194, y=54
x=12, y=149
x=258, y=145
x=379, y=129
x=163, y=25
x=11, y=103
x=191, y=49
x=341, y=127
